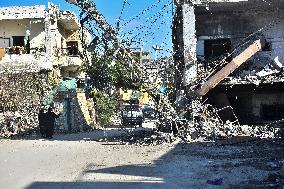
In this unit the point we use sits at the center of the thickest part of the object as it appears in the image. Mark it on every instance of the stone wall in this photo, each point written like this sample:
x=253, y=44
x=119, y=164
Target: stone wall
x=82, y=111
x=21, y=95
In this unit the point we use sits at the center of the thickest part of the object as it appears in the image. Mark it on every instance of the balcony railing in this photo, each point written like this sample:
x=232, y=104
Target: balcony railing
x=19, y=62
x=19, y=59
x=70, y=57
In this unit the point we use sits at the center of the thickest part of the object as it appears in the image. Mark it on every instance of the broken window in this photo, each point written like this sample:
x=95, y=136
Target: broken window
x=214, y=48
x=19, y=41
x=72, y=47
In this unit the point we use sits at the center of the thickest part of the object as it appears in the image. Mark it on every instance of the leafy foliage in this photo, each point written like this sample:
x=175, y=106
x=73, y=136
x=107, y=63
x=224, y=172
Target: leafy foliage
x=106, y=106
x=99, y=72
x=105, y=72
x=124, y=76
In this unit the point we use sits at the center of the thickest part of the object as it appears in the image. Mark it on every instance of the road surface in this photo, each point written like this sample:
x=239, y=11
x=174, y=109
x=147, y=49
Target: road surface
x=81, y=161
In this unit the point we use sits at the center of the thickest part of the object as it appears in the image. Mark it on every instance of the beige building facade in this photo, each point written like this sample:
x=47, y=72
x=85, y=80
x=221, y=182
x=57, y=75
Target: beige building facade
x=44, y=42
x=42, y=38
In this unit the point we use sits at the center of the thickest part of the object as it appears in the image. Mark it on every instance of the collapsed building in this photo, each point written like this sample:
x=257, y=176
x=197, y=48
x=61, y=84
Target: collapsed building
x=40, y=56
x=232, y=54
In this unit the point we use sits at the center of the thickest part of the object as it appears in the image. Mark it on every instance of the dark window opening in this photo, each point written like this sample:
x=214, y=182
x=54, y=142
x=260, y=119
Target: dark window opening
x=62, y=42
x=267, y=46
x=214, y=48
x=19, y=41
x=272, y=112
x=80, y=83
x=72, y=47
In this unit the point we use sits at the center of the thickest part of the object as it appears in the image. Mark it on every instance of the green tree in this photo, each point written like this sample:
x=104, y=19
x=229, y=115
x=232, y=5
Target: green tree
x=104, y=73
x=105, y=105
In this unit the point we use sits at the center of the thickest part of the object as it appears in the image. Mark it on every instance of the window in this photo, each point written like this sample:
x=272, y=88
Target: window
x=19, y=41
x=214, y=48
x=72, y=47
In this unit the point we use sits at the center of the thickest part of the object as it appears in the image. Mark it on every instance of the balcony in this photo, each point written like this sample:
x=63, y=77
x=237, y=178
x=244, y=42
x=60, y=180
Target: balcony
x=19, y=63
x=68, y=21
x=74, y=61
x=70, y=58
x=16, y=59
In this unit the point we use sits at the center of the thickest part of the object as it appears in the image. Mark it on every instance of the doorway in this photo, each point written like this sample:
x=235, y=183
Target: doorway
x=67, y=115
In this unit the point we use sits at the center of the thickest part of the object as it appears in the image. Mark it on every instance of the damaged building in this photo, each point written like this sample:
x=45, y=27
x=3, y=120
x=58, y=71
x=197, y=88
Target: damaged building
x=45, y=44
x=235, y=50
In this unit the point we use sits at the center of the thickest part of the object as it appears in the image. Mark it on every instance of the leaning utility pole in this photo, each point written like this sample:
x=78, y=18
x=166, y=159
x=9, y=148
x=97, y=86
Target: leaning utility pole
x=232, y=66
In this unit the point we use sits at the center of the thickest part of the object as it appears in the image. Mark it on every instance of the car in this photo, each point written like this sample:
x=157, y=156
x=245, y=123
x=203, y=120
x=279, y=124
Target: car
x=149, y=113
x=132, y=115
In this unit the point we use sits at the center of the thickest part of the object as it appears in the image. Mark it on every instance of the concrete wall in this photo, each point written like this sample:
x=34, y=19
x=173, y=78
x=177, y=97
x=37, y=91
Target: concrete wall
x=260, y=99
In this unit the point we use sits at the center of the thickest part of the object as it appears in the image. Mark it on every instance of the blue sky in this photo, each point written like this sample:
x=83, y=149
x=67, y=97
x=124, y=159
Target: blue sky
x=145, y=28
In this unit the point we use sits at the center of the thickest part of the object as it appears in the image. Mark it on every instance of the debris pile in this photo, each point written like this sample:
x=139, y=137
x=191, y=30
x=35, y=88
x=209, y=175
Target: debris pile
x=274, y=179
x=143, y=138
x=206, y=123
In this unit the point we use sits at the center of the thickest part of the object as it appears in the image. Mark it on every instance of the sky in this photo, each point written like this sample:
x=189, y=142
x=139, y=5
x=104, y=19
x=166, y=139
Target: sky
x=143, y=23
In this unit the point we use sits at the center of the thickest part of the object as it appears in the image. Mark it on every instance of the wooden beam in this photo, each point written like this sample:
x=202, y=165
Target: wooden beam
x=230, y=67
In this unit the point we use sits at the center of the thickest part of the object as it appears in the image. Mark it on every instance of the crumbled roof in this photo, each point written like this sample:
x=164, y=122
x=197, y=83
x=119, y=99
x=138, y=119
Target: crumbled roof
x=22, y=12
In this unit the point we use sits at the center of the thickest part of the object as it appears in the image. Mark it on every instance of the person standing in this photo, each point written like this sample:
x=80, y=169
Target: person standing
x=50, y=120
x=41, y=123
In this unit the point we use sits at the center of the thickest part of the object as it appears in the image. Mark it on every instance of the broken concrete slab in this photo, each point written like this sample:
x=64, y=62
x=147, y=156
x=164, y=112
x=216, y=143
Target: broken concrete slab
x=230, y=67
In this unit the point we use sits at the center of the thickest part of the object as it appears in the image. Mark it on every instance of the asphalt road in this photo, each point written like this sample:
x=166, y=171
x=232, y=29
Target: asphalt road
x=79, y=161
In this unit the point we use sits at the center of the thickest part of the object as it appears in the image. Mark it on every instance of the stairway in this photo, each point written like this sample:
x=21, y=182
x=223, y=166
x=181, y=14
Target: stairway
x=85, y=108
